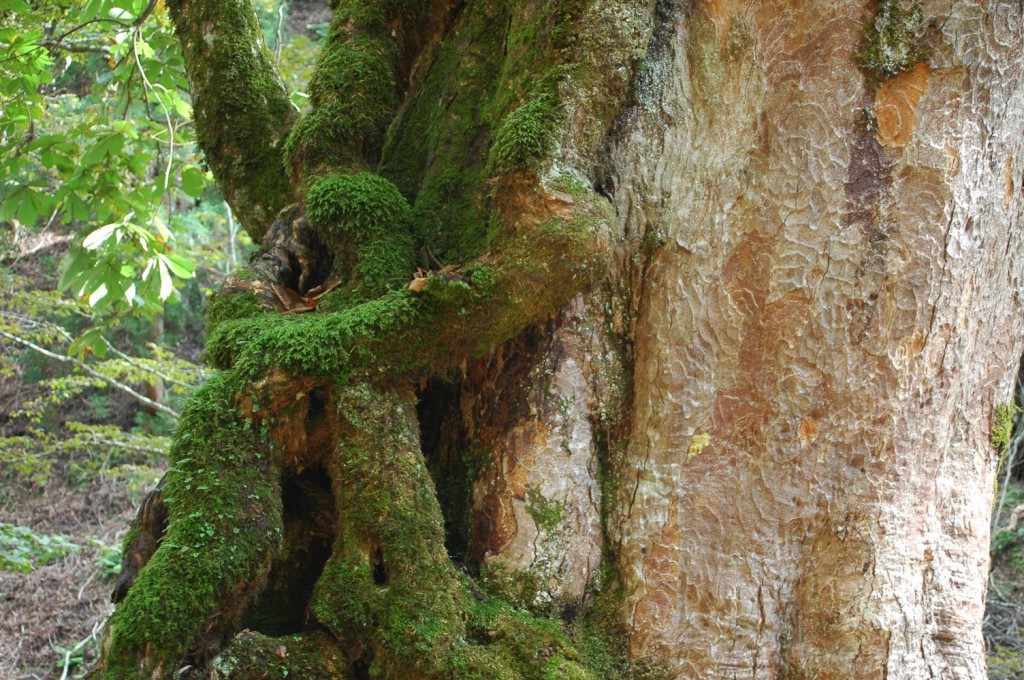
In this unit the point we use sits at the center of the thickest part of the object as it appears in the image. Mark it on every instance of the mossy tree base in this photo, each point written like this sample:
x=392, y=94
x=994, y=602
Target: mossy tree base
x=298, y=507
x=386, y=602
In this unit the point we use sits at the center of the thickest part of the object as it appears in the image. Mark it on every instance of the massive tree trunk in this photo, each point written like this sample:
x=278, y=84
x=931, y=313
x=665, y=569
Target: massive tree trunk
x=715, y=302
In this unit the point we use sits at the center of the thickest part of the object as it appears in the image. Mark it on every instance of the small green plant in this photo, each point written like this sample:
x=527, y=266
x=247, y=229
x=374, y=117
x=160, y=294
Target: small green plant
x=108, y=562
x=319, y=29
x=22, y=550
x=69, y=659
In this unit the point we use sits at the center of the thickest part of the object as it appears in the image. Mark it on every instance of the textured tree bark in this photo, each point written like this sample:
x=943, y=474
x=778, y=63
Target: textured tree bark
x=831, y=316
x=709, y=395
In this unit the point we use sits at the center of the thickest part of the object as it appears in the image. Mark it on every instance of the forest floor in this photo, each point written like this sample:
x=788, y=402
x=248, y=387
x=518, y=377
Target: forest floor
x=1004, y=611
x=60, y=606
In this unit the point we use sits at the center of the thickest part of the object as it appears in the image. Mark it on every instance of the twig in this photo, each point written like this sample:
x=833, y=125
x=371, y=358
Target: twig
x=97, y=627
x=97, y=20
x=167, y=114
x=145, y=14
x=280, y=23
x=94, y=574
x=78, y=48
x=232, y=232
x=67, y=336
x=96, y=374
x=130, y=447
x=147, y=369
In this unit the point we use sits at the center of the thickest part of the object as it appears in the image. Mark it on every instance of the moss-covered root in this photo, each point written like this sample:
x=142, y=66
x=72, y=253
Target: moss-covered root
x=389, y=592
x=142, y=540
x=224, y=529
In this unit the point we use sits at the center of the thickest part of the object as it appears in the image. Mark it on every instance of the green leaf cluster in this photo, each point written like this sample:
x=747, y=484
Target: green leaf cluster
x=96, y=124
x=126, y=260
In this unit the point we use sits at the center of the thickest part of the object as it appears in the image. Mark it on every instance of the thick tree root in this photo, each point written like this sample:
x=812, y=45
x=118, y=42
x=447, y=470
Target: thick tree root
x=223, y=502
x=389, y=603
x=142, y=540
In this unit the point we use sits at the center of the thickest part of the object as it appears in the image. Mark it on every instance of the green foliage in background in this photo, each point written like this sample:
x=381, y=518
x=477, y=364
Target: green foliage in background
x=98, y=145
x=97, y=137
x=96, y=126
x=22, y=550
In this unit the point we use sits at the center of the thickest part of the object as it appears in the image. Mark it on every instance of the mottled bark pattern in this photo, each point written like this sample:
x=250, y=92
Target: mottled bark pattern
x=533, y=413
x=832, y=305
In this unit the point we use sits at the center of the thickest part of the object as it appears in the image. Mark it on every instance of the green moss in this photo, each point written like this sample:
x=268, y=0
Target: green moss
x=129, y=539
x=546, y=514
x=470, y=119
x=330, y=346
x=242, y=111
x=1005, y=663
x=353, y=93
x=570, y=184
x=600, y=634
x=230, y=305
x=363, y=205
x=224, y=527
x=526, y=135
x=345, y=598
x=1001, y=436
x=310, y=656
x=483, y=278
x=366, y=220
x=438, y=149
x=1002, y=426
x=517, y=588
x=892, y=41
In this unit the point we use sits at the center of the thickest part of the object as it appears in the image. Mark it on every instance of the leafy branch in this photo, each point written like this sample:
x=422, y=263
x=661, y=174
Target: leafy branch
x=85, y=368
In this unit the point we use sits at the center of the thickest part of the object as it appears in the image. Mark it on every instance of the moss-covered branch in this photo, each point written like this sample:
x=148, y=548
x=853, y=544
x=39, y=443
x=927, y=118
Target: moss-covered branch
x=354, y=90
x=242, y=111
x=403, y=334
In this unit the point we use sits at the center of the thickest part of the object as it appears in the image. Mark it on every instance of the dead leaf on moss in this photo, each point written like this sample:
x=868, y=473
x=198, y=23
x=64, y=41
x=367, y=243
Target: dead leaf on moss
x=292, y=301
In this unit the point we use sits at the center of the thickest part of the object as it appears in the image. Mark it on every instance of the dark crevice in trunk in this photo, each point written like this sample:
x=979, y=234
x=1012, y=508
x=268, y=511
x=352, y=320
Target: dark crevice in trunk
x=380, y=570
x=449, y=460
x=309, y=532
x=361, y=669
